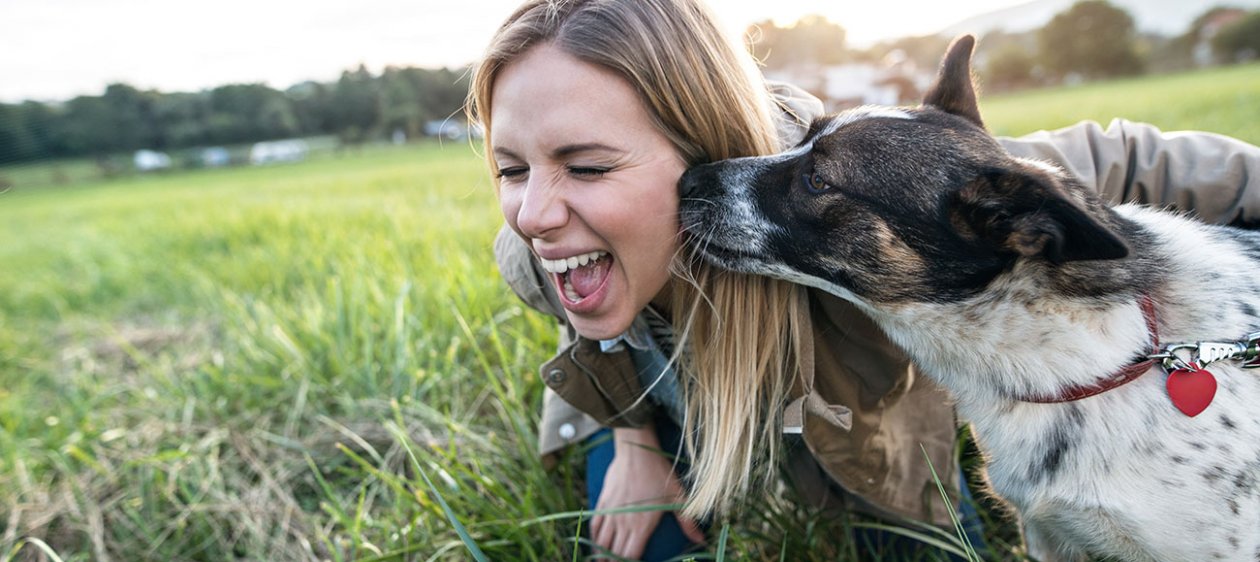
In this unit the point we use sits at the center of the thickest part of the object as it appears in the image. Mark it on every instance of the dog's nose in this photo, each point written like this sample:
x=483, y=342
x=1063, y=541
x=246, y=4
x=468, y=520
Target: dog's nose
x=694, y=178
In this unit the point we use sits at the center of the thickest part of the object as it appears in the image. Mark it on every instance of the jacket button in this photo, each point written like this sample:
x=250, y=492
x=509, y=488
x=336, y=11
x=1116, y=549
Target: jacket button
x=555, y=376
x=567, y=431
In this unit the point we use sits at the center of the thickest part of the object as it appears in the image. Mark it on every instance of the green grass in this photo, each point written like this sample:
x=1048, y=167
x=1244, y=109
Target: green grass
x=63, y=171
x=1221, y=100
x=315, y=361
x=319, y=361
x=176, y=348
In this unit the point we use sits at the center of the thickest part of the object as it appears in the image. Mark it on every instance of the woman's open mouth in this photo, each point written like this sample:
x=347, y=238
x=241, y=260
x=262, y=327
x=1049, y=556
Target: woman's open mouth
x=580, y=279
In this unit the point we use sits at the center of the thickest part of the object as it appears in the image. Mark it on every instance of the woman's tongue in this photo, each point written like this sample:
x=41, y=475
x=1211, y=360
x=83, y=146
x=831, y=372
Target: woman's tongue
x=586, y=279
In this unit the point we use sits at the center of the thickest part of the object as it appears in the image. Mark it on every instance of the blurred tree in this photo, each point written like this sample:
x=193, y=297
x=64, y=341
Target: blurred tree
x=1240, y=40
x=442, y=92
x=402, y=109
x=1176, y=53
x=924, y=50
x=811, y=40
x=119, y=120
x=16, y=141
x=1093, y=39
x=1199, y=27
x=275, y=118
x=1009, y=68
x=313, y=107
x=182, y=119
x=356, y=107
x=249, y=112
x=86, y=127
x=1193, y=48
x=41, y=124
x=1169, y=54
x=130, y=115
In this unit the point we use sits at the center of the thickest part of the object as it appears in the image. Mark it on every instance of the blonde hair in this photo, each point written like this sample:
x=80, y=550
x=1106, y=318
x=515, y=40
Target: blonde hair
x=706, y=97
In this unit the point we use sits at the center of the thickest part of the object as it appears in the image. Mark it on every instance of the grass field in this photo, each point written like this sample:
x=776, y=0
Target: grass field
x=1221, y=100
x=317, y=361
x=182, y=356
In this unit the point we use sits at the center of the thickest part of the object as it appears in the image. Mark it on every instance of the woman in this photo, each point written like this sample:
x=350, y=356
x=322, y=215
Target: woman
x=592, y=109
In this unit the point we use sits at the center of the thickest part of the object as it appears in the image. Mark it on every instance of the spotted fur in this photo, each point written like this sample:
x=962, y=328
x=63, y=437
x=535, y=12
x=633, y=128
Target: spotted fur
x=1006, y=278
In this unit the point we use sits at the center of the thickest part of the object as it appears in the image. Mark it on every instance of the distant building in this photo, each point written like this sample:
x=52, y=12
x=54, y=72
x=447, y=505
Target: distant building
x=852, y=85
x=151, y=160
x=215, y=157
x=1215, y=21
x=896, y=80
x=268, y=152
x=447, y=128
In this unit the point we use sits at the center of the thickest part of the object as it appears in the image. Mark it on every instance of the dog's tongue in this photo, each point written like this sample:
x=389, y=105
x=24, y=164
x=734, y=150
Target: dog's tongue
x=586, y=279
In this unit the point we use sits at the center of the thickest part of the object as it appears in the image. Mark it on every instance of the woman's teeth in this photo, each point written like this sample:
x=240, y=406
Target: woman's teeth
x=565, y=264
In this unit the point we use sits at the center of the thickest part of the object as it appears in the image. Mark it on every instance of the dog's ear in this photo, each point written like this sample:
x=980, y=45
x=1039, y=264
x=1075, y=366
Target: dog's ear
x=1030, y=214
x=953, y=91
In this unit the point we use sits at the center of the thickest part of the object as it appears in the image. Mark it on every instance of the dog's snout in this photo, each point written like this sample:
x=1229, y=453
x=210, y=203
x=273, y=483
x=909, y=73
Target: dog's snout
x=694, y=179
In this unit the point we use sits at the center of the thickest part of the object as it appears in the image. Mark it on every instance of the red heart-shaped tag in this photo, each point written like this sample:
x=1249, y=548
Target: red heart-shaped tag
x=1191, y=390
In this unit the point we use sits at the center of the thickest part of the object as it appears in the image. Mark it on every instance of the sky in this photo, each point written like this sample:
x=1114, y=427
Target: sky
x=57, y=49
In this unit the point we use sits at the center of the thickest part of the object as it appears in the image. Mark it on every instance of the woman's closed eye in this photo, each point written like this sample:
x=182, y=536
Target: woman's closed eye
x=588, y=172
x=519, y=173
x=513, y=173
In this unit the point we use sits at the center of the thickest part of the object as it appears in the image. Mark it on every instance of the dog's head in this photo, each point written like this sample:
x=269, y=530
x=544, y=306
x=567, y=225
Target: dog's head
x=894, y=204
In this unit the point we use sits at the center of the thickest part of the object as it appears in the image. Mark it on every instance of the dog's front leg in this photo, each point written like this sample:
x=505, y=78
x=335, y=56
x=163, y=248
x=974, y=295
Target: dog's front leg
x=1044, y=546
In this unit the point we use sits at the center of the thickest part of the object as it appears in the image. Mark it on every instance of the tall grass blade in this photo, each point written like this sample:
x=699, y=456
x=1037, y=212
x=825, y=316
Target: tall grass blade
x=965, y=541
x=469, y=543
x=612, y=511
x=726, y=533
x=43, y=546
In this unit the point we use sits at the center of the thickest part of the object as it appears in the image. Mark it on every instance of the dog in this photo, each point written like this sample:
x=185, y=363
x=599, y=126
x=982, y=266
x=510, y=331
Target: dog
x=1067, y=330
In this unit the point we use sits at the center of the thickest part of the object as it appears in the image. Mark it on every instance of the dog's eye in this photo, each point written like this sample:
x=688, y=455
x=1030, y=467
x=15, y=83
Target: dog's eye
x=815, y=183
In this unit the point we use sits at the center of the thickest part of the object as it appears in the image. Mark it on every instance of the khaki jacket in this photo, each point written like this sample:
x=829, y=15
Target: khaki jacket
x=856, y=376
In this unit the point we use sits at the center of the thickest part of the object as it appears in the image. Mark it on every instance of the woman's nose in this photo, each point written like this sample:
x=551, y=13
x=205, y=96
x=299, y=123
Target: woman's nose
x=543, y=208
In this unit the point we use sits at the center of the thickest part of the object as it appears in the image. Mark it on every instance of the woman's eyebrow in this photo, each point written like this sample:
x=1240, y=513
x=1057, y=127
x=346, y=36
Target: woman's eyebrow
x=571, y=149
x=562, y=151
x=500, y=151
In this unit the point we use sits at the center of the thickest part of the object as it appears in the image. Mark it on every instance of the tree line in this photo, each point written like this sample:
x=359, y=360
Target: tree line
x=358, y=106
x=1093, y=39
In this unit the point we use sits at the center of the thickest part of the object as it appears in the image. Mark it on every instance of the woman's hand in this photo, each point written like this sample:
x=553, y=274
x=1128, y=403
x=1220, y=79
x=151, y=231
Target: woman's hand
x=638, y=475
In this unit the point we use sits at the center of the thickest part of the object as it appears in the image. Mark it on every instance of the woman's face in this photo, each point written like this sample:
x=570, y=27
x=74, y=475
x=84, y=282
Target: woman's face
x=589, y=183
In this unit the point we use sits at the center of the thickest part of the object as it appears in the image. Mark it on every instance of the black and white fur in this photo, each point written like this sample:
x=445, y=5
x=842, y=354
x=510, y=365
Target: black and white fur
x=1004, y=278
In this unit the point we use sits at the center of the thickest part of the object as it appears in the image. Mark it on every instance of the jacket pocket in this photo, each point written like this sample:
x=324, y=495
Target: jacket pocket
x=603, y=385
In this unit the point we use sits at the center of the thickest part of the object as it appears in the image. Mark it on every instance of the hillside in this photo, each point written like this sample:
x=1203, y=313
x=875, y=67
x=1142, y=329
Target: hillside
x=1163, y=17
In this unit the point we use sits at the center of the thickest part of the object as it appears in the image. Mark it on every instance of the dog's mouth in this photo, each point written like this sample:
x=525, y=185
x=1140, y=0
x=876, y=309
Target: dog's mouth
x=726, y=257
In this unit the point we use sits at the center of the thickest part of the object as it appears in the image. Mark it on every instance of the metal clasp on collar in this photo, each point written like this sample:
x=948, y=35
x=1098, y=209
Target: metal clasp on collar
x=1201, y=354
x=1169, y=358
x=1252, y=353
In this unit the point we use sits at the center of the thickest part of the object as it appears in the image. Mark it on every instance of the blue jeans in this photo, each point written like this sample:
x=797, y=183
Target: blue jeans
x=668, y=541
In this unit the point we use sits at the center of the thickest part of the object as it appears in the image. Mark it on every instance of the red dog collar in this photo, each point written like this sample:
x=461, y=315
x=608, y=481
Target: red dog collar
x=1126, y=374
